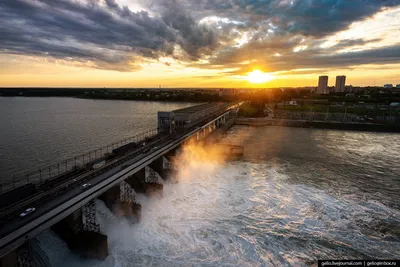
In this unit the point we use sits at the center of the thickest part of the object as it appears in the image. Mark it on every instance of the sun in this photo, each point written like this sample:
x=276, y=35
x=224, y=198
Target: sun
x=258, y=76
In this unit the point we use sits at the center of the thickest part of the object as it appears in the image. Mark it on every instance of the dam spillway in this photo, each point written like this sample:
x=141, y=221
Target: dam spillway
x=89, y=180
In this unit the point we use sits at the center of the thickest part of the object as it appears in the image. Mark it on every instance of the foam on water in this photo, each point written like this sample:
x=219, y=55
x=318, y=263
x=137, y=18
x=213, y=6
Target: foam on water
x=240, y=214
x=299, y=194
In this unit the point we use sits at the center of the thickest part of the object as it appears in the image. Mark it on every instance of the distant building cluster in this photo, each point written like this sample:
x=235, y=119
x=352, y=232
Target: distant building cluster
x=390, y=86
x=340, y=85
x=323, y=88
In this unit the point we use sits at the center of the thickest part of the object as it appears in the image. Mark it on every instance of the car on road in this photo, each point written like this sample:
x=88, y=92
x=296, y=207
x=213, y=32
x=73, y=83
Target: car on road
x=27, y=212
x=84, y=186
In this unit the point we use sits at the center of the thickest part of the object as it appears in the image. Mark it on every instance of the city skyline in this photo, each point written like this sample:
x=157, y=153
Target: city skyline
x=232, y=44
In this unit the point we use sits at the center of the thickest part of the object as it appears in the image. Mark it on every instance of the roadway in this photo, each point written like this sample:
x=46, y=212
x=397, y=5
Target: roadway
x=19, y=229
x=38, y=198
x=54, y=206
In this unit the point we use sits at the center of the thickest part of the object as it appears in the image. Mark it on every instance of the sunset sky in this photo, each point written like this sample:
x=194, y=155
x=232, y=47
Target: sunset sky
x=198, y=43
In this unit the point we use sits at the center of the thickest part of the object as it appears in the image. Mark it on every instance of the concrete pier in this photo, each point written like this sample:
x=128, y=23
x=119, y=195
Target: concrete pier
x=164, y=168
x=111, y=197
x=145, y=182
x=122, y=202
x=86, y=243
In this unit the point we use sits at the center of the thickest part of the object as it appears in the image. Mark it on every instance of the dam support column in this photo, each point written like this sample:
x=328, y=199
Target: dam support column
x=122, y=201
x=146, y=181
x=93, y=243
x=82, y=234
x=157, y=166
x=128, y=206
x=163, y=167
x=111, y=197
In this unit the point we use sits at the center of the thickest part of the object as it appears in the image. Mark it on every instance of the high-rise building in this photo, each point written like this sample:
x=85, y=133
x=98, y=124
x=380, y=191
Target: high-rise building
x=322, y=85
x=340, y=84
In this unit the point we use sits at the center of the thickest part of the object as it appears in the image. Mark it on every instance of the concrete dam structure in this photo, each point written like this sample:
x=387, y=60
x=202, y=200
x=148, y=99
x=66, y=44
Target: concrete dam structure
x=61, y=196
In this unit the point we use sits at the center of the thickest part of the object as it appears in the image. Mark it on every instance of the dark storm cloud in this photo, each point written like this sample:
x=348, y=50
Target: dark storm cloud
x=279, y=26
x=312, y=17
x=102, y=34
x=195, y=39
x=307, y=17
x=354, y=42
x=384, y=55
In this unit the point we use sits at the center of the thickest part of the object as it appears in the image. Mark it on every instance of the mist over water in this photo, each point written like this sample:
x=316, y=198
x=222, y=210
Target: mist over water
x=297, y=196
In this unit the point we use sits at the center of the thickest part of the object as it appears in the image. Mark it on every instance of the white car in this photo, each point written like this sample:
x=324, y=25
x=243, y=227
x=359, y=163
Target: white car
x=84, y=186
x=26, y=212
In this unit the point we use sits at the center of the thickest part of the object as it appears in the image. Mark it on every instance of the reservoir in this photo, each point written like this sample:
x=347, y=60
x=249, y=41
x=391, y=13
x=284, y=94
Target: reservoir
x=296, y=196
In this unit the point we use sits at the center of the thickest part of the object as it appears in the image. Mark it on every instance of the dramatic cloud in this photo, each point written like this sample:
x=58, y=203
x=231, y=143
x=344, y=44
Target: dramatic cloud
x=316, y=17
x=105, y=34
x=275, y=35
x=308, y=17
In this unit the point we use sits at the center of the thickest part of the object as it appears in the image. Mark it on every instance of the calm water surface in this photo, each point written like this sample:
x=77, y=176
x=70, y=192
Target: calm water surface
x=36, y=132
x=298, y=195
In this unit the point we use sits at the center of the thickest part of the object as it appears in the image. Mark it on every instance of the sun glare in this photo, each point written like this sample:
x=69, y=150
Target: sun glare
x=259, y=77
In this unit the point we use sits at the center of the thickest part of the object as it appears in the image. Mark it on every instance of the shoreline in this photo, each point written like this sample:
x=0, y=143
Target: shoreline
x=353, y=126
x=111, y=99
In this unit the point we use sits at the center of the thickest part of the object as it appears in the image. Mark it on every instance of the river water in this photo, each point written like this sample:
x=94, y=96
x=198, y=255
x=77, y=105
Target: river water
x=298, y=195
x=36, y=132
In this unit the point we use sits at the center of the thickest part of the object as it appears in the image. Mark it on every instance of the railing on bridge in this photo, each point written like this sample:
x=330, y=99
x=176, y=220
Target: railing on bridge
x=213, y=114
x=80, y=163
x=71, y=165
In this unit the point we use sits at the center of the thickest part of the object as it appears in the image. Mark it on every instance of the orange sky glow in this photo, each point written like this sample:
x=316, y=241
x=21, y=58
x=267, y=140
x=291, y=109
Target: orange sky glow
x=366, y=51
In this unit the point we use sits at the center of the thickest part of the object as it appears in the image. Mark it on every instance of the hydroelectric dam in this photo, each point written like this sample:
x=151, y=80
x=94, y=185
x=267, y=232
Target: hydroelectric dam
x=61, y=196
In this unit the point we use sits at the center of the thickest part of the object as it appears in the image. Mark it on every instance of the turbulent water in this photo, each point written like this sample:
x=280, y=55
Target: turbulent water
x=298, y=195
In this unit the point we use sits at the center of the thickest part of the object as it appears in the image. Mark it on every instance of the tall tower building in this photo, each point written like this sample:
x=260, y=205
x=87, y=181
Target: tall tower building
x=340, y=84
x=322, y=85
